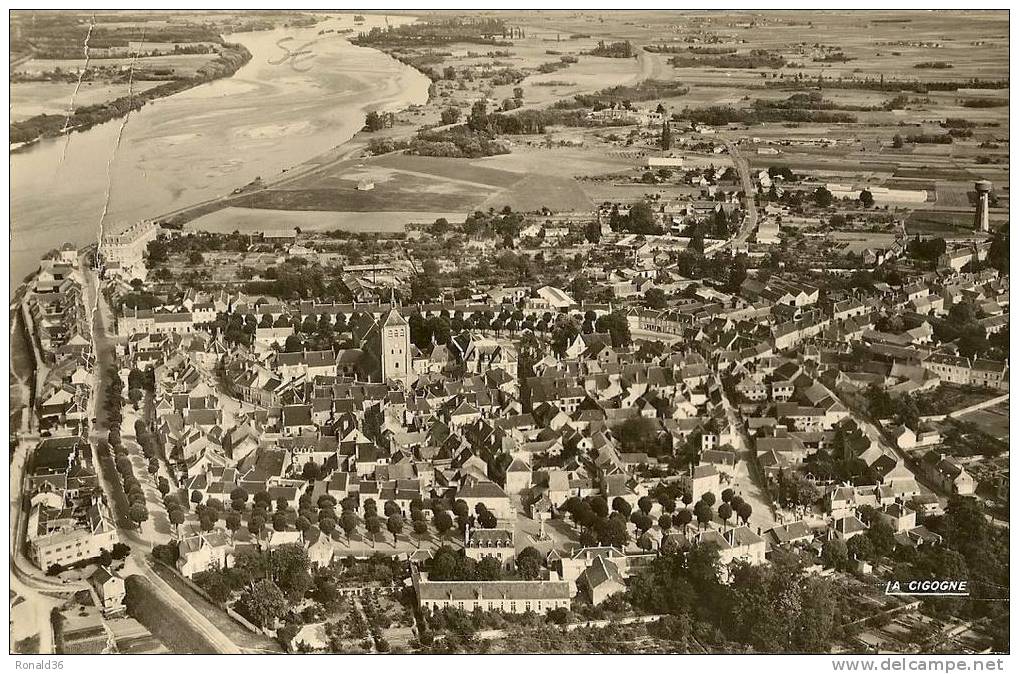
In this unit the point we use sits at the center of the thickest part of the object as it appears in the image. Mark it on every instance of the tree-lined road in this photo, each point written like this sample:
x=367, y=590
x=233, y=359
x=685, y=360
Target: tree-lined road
x=749, y=203
x=141, y=544
x=749, y=224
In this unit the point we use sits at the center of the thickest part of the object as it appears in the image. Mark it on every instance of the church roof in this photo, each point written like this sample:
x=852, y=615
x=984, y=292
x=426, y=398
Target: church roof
x=394, y=319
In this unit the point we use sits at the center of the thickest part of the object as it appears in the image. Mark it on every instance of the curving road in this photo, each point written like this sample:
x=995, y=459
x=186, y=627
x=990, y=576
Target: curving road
x=749, y=203
x=749, y=224
x=138, y=563
x=39, y=592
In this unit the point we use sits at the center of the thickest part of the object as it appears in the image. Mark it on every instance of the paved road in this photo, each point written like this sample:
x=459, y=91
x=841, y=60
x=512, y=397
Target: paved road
x=32, y=616
x=140, y=541
x=749, y=204
x=747, y=484
x=105, y=362
x=138, y=563
x=749, y=224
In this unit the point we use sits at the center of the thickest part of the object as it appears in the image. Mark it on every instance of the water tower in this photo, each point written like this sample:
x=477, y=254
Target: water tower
x=981, y=222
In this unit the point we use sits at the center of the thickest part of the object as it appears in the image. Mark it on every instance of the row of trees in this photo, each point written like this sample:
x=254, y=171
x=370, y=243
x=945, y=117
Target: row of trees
x=230, y=59
x=151, y=445
x=449, y=564
x=445, y=515
x=600, y=526
x=135, y=495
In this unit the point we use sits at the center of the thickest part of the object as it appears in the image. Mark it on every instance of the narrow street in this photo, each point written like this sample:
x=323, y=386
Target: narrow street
x=33, y=594
x=105, y=362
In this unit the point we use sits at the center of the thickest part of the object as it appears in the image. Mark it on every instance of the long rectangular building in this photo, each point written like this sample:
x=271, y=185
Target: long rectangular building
x=510, y=596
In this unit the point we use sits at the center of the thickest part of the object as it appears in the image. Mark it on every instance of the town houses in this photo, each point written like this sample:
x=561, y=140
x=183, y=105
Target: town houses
x=516, y=444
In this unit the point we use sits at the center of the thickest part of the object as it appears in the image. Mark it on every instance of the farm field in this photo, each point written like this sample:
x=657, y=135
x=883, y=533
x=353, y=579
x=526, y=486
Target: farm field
x=393, y=191
x=946, y=223
x=533, y=176
x=526, y=179
x=259, y=220
x=858, y=242
x=955, y=196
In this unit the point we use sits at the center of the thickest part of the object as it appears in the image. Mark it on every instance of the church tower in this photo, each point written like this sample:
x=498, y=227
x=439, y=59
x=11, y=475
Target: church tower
x=395, y=347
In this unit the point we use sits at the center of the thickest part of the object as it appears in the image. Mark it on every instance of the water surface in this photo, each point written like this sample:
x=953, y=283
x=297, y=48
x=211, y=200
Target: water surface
x=206, y=141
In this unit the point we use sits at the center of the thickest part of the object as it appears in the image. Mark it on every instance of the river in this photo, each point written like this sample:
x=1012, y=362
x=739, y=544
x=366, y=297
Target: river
x=272, y=114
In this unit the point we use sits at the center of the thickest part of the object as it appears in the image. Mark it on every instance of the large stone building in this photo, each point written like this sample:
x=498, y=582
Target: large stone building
x=123, y=252
x=510, y=596
x=59, y=536
x=386, y=345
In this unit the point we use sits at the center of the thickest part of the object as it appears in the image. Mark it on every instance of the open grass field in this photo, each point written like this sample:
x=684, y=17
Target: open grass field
x=403, y=183
x=542, y=190
x=259, y=220
x=146, y=606
x=561, y=161
x=233, y=630
x=472, y=171
x=393, y=192
x=991, y=420
x=946, y=223
x=527, y=179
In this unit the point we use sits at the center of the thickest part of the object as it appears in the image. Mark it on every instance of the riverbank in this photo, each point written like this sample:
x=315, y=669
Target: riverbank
x=268, y=121
x=28, y=132
x=350, y=150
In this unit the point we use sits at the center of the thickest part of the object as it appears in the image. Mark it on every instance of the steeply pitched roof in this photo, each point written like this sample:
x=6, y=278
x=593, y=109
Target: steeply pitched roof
x=394, y=319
